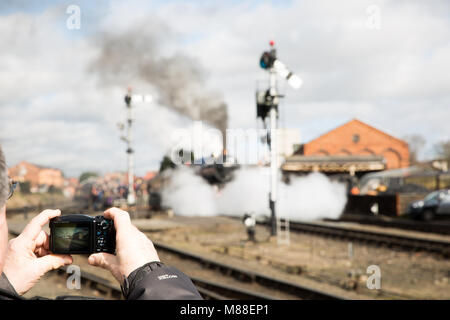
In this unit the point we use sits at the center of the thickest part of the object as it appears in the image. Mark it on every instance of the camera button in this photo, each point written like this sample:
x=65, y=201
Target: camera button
x=104, y=224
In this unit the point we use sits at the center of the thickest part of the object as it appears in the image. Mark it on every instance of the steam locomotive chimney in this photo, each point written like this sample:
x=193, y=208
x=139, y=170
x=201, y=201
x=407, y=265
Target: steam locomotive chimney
x=224, y=146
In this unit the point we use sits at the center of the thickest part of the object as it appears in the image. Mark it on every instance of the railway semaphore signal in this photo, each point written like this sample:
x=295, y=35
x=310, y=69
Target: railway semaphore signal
x=129, y=98
x=267, y=104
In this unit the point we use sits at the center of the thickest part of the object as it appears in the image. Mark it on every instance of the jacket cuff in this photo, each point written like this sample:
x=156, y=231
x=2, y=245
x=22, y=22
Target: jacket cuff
x=6, y=286
x=137, y=275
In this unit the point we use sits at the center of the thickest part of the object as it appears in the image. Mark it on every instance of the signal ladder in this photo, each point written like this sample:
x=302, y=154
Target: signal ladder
x=283, y=233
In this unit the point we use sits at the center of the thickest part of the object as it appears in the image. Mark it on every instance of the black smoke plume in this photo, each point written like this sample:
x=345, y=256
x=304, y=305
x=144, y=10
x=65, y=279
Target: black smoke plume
x=136, y=55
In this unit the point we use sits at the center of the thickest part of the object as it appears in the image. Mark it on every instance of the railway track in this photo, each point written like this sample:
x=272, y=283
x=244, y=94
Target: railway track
x=214, y=290
x=210, y=290
x=411, y=243
x=437, y=227
x=65, y=205
x=246, y=276
x=105, y=287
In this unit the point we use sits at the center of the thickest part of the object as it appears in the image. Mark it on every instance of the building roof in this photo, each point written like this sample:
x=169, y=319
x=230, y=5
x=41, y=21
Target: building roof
x=335, y=163
x=149, y=175
x=362, y=123
x=35, y=165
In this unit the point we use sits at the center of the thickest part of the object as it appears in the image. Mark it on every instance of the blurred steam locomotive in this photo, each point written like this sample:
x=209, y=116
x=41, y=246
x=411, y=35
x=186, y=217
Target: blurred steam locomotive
x=219, y=172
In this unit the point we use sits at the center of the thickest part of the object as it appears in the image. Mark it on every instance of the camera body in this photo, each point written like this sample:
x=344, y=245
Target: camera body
x=82, y=234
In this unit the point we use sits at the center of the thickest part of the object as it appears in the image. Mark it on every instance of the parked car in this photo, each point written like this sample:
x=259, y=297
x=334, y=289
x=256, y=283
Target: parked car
x=436, y=203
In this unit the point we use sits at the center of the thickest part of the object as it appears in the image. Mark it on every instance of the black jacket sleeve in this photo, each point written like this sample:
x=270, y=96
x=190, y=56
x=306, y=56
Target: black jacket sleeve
x=156, y=281
x=7, y=291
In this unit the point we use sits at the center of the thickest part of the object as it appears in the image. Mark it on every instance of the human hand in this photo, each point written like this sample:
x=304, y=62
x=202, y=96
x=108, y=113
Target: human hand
x=133, y=248
x=28, y=257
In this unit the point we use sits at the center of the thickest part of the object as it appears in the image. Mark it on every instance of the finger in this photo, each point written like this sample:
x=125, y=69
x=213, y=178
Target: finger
x=33, y=228
x=39, y=246
x=42, y=240
x=52, y=262
x=116, y=213
x=103, y=260
x=120, y=217
x=40, y=252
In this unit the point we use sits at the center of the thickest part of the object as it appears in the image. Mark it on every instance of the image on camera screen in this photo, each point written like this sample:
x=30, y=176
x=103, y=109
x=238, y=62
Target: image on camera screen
x=71, y=237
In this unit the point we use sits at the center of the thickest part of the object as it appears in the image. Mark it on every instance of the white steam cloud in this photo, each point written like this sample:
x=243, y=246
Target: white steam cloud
x=310, y=197
x=188, y=194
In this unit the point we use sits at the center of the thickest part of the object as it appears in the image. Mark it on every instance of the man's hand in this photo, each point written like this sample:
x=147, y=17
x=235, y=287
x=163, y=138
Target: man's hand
x=133, y=248
x=28, y=257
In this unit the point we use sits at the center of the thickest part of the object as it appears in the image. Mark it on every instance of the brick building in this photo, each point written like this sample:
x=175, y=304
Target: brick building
x=353, y=146
x=36, y=175
x=358, y=138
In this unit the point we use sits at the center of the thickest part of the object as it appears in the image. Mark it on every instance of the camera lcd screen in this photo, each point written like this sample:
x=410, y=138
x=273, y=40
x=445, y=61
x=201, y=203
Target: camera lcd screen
x=71, y=237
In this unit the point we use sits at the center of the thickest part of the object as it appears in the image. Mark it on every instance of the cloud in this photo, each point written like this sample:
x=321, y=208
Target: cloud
x=54, y=112
x=393, y=78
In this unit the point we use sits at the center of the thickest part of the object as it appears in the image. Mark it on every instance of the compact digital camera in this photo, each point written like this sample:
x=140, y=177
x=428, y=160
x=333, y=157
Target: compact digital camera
x=82, y=234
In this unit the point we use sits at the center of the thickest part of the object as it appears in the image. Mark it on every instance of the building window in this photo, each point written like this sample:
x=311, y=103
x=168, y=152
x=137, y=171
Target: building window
x=355, y=138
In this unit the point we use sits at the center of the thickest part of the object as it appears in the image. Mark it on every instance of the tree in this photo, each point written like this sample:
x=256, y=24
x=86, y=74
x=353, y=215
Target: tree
x=25, y=187
x=166, y=163
x=87, y=175
x=442, y=149
x=54, y=190
x=416, y=143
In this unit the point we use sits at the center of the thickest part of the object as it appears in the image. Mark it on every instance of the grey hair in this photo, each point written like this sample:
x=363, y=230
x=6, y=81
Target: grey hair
x=4, y=181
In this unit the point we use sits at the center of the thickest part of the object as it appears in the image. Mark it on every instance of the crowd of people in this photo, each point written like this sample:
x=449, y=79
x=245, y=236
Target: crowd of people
x=108, y=191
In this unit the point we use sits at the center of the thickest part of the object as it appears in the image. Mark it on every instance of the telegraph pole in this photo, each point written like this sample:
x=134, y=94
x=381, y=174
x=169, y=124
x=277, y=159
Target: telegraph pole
x=273, y=150
x=131, y=199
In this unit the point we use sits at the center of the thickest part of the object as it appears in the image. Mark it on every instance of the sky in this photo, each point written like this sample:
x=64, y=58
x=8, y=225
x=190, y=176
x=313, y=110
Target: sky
x=386, y=63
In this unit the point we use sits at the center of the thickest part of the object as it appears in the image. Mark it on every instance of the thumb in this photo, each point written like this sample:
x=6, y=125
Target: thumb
x=103, y=260
x=107, y=261
x=51, y=262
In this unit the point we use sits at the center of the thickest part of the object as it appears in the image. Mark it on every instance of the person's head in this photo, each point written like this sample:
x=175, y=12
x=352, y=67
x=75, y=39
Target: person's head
x=4, y=192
